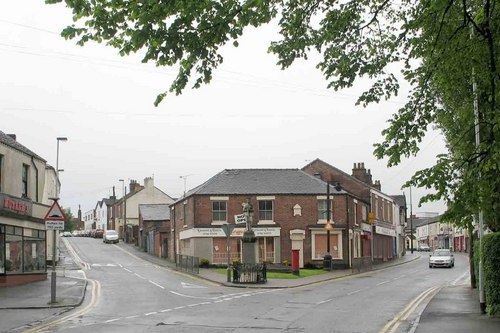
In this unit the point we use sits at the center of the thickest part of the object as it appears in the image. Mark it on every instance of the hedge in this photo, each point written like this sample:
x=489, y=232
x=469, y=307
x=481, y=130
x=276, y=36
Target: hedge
x=491, y=270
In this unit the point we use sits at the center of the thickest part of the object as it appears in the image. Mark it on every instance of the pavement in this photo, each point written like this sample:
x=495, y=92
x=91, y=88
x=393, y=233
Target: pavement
x=453, y=309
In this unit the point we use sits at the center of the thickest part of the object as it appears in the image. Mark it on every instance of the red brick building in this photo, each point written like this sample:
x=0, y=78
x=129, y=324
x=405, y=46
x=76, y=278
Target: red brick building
x=380, y=234
x=154, y=229
x=289, y=213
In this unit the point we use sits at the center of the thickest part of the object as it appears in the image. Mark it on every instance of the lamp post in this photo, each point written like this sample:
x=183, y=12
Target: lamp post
x=54, y=235
x=124, y=211
x=327, y=259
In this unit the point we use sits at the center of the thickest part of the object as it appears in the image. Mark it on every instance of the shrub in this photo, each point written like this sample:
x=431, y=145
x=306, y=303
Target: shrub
x=310, y=265
x=286, y=262
x=204, y=262
x=491, y=269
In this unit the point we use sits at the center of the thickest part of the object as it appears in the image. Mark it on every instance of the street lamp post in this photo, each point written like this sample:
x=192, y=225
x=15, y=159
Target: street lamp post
x=54, y=235
x=327, y=259
x=124, y=211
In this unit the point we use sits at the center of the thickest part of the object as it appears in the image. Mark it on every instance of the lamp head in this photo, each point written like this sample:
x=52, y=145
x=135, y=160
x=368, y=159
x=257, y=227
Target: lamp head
x=63, y=138
x=328, y=226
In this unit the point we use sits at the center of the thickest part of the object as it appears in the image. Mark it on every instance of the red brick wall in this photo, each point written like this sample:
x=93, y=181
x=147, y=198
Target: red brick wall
x=15, y=280
x=328, y=173
x=282, y=214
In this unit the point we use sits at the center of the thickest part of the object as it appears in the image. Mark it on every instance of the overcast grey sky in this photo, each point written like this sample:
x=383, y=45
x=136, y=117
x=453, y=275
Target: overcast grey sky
x=252, y=115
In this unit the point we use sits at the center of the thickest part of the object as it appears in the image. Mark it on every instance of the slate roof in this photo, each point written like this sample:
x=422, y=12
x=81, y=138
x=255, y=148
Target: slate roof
x=7, y=140
x=399, y=199
x=418, y=222
x=263, y=182
x=154, y=212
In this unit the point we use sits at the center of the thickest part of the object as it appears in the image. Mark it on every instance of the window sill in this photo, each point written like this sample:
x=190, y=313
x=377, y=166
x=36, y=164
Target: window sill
x=219, y=222
x=266, y=223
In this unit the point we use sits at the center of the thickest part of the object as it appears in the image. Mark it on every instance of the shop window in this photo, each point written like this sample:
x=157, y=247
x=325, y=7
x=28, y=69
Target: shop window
x=2, y=247
x=34, y=255
x=266, y=249
x=320, y=245
x=13, y=254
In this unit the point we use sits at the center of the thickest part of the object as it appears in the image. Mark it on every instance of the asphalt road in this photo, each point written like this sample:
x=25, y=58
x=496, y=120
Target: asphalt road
x=131, y=295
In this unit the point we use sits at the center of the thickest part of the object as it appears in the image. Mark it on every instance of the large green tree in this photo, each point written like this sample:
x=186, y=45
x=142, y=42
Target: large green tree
x=441, y=47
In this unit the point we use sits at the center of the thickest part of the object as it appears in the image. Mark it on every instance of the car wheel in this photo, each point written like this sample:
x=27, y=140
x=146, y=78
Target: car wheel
x=430, y=266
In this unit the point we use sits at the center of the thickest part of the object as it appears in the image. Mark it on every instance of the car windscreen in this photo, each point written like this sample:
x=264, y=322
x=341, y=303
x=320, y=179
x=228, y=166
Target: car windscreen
x=111, y=233
x=442, y=253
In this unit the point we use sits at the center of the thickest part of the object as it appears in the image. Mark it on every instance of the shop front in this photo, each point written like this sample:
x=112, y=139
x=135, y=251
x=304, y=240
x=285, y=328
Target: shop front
x=383, y=244
x=212, y=244
x=22, y=243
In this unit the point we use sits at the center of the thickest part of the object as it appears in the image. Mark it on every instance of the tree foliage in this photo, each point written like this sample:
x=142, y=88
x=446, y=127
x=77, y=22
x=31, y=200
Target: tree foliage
x=441, y=47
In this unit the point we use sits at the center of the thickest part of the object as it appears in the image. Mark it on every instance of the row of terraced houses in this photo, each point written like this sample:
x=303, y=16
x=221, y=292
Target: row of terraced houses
x=290, y=209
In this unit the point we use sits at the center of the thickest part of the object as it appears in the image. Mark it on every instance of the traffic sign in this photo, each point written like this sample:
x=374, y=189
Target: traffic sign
x=54, y=225
x=228, y=229
x=55, y=213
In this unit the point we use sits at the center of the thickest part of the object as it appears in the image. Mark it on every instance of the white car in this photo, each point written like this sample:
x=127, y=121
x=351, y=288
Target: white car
x=110, y=236
x=441, y=258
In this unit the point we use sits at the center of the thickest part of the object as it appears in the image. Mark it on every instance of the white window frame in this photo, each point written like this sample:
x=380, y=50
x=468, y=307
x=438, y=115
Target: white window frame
x=322, y=232
x=218, y=222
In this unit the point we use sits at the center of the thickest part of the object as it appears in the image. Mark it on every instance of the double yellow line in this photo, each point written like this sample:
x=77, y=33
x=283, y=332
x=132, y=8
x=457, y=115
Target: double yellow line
x=393, y=325
x=96, y=292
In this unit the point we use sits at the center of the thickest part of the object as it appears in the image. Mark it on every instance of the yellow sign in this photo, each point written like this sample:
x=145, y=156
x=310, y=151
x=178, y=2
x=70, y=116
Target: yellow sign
x=371, y=218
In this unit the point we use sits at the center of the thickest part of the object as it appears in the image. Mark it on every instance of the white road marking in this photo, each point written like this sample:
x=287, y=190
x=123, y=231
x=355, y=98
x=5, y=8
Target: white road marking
x=156, y=284
x=130, y=317
x=325, y=301
x=150, y=313
x=455, y=282
x=140, y=276
x=190, y=285
x=179, y=307
x=166, y=310
x=128, y=270
x=383, y=282
x=354, y=292
x=112, y=320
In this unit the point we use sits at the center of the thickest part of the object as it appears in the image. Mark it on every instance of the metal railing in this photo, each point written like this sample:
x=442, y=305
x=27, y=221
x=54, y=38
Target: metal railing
x=249, y=273
x=361, y=264
x=188, y=264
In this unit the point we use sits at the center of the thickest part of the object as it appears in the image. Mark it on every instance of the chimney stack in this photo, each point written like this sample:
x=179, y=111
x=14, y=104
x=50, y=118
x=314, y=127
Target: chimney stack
x=359, y=172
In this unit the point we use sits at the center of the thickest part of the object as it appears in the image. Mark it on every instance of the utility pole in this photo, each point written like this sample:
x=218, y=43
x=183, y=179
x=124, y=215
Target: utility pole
x=185, y=180
x=482, y=302
x=411, y=224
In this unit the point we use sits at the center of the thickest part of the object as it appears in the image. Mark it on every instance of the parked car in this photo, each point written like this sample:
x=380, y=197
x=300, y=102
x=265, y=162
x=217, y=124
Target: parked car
x=441, y=258
x=98, y=233
x=424, y=247
x=66, y=234
x=110, y=236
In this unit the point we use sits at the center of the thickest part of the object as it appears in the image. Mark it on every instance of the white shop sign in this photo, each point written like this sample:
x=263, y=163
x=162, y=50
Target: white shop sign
x=218, y=232
x=385, y=231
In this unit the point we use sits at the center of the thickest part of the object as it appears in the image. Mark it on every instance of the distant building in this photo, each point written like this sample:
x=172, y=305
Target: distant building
x=154, y=229
x=125, y=210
